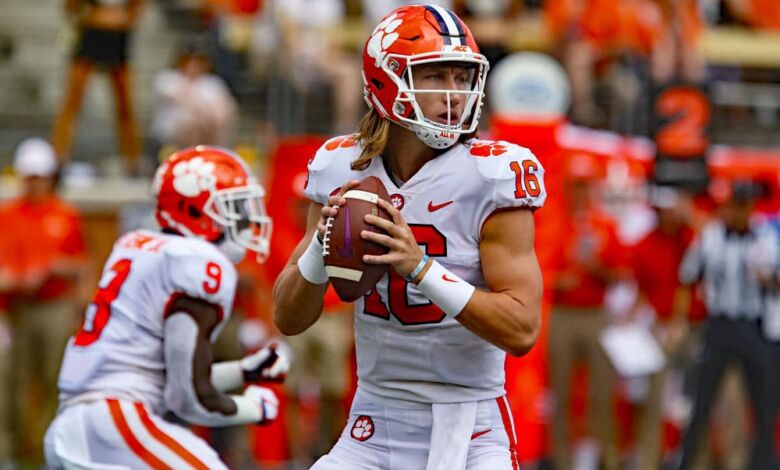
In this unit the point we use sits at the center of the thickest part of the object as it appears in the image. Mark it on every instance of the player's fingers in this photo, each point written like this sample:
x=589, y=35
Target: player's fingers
x=380, y=238
x=328, y=211
x=378, y=259
x=349, y=185
x=334, y=202
x=394, y=213
x=383, y=224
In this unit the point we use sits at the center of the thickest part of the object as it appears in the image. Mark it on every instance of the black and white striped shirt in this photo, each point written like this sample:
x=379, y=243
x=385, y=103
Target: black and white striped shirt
x=725, y=261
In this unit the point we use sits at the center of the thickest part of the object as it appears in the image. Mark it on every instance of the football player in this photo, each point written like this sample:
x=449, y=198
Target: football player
x=144, y=346
x=463, y=286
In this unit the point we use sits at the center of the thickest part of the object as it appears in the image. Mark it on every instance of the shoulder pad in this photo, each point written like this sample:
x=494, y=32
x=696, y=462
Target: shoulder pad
x=200, y=270
x=494, y=158
x=332, y=150
x=513, y=173
x=329, y=168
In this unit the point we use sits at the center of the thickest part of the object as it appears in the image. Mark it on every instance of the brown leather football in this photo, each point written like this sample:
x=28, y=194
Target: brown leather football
x=343, y=247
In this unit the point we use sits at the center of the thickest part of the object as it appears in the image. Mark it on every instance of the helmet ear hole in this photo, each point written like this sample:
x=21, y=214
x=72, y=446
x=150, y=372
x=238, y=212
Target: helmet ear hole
x=194, y=212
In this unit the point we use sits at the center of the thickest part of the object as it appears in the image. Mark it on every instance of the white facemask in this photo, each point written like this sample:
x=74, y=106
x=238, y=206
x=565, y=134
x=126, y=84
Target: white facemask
x=433, y=138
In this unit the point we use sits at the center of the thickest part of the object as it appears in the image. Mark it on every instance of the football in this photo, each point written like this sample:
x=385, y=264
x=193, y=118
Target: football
x=343, y=247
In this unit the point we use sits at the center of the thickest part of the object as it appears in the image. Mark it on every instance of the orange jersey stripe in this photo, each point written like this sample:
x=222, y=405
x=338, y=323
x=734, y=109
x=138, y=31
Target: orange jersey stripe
x=167, y=440
x=132, y=442
x=510, y=430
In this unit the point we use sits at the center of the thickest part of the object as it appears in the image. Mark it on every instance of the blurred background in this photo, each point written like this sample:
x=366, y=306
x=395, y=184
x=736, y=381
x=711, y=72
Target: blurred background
x=657, y=121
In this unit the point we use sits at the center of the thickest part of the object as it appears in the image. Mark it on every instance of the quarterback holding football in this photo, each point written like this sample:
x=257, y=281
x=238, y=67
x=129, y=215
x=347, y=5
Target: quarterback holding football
x=462, y=285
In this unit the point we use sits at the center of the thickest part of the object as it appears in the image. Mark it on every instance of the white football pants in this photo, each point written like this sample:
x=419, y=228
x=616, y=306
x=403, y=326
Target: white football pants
x=111, y=434
x=378, y=436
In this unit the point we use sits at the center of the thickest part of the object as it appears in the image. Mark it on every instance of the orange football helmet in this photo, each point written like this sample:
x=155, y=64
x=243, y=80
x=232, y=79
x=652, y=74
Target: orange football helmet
x=415, y=35
x=209, y=193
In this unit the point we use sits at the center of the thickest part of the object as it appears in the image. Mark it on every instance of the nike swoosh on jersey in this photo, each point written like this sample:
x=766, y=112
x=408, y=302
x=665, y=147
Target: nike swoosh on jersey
x=444, y=277
x=434, y=207
x=480, y=433
x=346, y=249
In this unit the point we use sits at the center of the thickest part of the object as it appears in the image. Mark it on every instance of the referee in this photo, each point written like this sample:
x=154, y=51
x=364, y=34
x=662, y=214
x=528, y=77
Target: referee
x=734, y=296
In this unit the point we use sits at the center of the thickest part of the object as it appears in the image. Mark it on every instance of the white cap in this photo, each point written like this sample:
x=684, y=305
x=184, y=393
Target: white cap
x=529, y=85
x=35, y=157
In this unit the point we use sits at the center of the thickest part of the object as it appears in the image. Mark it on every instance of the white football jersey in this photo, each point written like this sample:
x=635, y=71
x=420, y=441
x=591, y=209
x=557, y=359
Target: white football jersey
x=406, y=347
x=118, y=350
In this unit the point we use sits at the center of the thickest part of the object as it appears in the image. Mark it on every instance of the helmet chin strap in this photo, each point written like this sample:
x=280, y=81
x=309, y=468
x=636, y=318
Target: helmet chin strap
x=234, y=252
x=434, y=138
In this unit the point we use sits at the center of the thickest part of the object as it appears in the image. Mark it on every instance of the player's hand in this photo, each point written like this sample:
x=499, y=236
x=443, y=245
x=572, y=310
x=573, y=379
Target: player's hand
x=266, y=399
x=332, y=207
x=405, y=253
x=265, y=365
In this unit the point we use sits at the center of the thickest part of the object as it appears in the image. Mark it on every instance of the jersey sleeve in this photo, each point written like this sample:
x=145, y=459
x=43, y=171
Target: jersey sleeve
x=202, y=272
x=329, y=168
x=513, y=176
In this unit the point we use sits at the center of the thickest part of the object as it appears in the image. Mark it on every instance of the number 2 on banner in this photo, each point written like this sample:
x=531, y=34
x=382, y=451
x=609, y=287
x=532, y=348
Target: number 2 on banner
x=99, y=311
x=688, y=111
x=526, y=182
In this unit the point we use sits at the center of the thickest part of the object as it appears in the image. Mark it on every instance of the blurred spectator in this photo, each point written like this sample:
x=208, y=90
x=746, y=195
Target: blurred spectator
x=6, y=381
x=676, y=49
x=42, y=268
x=655, y=261
x=590, y=261
x=230, y=36
x=313, y=60
x=720, y=256
x=375, y=10
x=104, y=32
x=636, y=41
x=492, y=23
x=193, y=106
x=583, y=32
x=763, y=14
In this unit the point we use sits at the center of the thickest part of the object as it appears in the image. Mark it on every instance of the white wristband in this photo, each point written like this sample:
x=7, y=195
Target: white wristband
x=247, y=411
x=448, y=291
x=311, y=264
x=226, y=376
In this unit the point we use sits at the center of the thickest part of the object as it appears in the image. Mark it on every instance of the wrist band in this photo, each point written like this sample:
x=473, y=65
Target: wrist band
x=247, y=411
x=445, y=289
x=226, y=376
x=417, y=268
x=311, y=264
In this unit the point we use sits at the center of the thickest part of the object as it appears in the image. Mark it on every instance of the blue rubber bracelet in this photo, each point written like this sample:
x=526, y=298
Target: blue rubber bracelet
x=417, y=269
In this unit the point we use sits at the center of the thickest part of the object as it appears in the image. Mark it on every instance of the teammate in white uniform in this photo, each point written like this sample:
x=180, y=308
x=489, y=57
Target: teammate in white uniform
x=463, y=285
x=144, y=346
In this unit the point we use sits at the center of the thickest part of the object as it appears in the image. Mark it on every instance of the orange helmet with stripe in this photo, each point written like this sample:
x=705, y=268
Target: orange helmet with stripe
x=418, y=35
x=209, y=193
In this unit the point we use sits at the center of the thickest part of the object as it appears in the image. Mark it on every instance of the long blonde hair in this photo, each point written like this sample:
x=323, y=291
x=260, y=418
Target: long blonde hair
x=372, y=136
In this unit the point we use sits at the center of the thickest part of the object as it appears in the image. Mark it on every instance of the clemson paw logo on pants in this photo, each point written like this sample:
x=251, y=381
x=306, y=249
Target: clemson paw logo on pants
x=363, y=428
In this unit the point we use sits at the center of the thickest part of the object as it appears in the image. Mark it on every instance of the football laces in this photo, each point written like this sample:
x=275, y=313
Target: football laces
x=326, y=237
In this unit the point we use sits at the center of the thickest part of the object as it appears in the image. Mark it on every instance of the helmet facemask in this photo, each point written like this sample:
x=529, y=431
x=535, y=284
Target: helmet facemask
x=434, y=134
x=241, y=213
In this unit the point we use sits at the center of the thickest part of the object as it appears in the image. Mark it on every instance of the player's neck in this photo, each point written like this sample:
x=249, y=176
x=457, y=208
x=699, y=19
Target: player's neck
x=405, y=154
